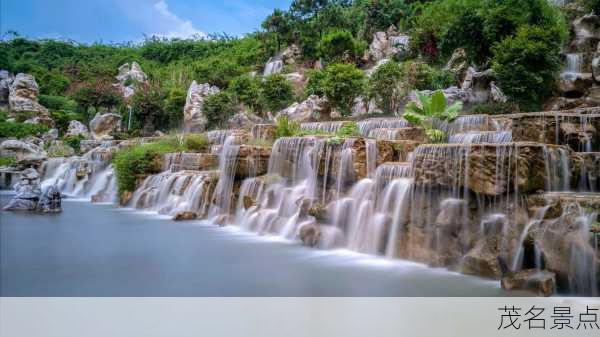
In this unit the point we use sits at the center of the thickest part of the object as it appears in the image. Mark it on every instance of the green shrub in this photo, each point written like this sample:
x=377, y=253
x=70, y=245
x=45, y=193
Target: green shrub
x=386, y=87
x=432, y=108
x=341, y=85
x=592, y=6
x=315, y=84
x=218, y=108
x=7, y=161
x=246, y=89
x=527, y=65
x=348, y=130
x=340, y=46
x=421, y=76
x=138, y=161
x=195, y=142
x=74, y=142
x=20, y=130
x=286, y=128
x=277, y=92
x=58, y=102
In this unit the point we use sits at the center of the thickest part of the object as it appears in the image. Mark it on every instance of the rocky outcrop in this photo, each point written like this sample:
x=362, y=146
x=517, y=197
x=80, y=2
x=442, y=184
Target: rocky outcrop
x=58, y=148
x=243, y=120
x=252, y=161
x=27, y=191
x=364, y=107
x=458, y=64
x=27, y=154
x=263, y=132
x=51, y=201
x=309, y=109
x=541, y=282
x=291, y=54
x=193, y=117
x=6, y=80
x=129, y=78
x=389, y=44
x=76, y=128
x=105, y=126
x=587, y=32
x=23, y=101
x=181, y=161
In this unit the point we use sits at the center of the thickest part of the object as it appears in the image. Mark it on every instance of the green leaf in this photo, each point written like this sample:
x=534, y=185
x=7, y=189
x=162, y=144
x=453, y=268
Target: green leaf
x=438, y=103
x=414, y=118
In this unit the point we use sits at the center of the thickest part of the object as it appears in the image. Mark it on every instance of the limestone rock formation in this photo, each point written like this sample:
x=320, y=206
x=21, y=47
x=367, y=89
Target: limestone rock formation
x=243, y=120
x=291, y=54
x=26, y=153
x=309, y=109
x=58, y=148
x=541, y=282
x=389, y=44
x=27, y=191
x=458, y=64
x=193, y=117
x=51, y=201
x=104, y=126
x=128, y=79
x=587, y=32
x=76, y=128
x=23, y=101
x=6, y=80
x=363, y=107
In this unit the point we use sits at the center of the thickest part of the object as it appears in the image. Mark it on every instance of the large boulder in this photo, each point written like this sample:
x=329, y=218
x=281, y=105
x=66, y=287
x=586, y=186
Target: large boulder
x=309, y=109
x=587, y=32
x=193, y=117
x=76, y=128
x=104, y=126
x=26, y=153
x=6, y=80
x=541, y=282
x=291, y=54
x=477, y=85
x=58, y=148
x=51, y=201
x=23, y=101
x=27, y=192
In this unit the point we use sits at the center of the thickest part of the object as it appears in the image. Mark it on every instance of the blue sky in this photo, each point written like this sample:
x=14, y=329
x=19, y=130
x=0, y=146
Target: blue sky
x=129, y=20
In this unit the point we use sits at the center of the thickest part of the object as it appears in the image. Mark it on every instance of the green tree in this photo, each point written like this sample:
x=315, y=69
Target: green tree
x=277, y=92
x=218, y=108
x=278, y=24
x=147, y=104
x=342, y=84
x=340, y=46
x=527, y=65
x=246, y=89
x=386, y=87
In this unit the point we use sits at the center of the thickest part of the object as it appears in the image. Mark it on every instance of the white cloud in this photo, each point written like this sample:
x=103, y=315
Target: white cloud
x=172, y=25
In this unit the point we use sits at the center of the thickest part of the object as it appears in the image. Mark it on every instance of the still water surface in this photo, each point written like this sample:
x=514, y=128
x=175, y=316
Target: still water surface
x=100, y=250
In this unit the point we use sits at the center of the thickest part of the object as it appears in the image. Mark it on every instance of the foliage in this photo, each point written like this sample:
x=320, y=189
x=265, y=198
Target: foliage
x=527, y=63
x=20, y=130
x=386, y=87
x=341, y=84
x=316, y=83
x=97, y=93
x=173, y=105
x=432, y=108
x=277, y=92
x=592, y=6
x=340, y=46
x=195, y=142
x=421, y=76
x=246, y=89
x=286, y=128
x=147, y=105
x=74, y=142
x=218, y=108
x=496, y=108
x=348, y=130
x=7, y=161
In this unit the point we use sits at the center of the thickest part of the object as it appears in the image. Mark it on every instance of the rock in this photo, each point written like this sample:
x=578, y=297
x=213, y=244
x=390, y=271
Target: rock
x=129, y=78
x=496, y=94
x=595, y=64
x=181, y=161
x=291, y=54
x=27, y=192
x=76, y=128
x=125, y=197
x=51, y=201
x=476, y=84
x=159, y=133
x=51, y=135
x=587, y=32
x=248, y=202
x=23, y=101
x=541, y=282
x=6, y=80
x=309, y=234
x=243, y=120
x=458, y=64
x=193, y=117
x=389, y=44
x=575, y=84
x=274, y=66
x=103, y=127
x=452, y=95
x=297, y=81
x=309, y=109
x=25, y=153
x=59, y=149
x=363, y=107
x=263, y=132
x=379, y=63
x=181, y=216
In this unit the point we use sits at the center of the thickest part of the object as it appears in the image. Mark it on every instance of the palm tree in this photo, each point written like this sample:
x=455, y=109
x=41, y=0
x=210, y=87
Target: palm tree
x=432, y=108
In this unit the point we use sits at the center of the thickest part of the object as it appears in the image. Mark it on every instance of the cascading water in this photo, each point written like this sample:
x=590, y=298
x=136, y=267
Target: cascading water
x=573, y=66
x=492, y=137
x=274, y=66
x=223, y=195
x=328, y=127
x=367, y=125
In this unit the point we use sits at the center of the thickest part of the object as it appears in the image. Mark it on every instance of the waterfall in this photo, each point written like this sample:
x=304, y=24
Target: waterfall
x=473, y=137
x=384, y=134
x=536, y=221
x=224, y=190
x=326, y=127
x=367, y=125
x=558, y=170
x=90, y=176
x=573, y=66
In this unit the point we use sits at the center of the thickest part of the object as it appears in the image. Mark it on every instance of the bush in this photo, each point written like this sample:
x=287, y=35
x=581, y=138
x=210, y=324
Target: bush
x=147, y=104
x=277, y=92
x=246, y=89
x=217, y=108
x=421, y=76
x=592, y=6
x=58, y=102
x=195, y=142
x=7, y=161
x=341, y=85
x=20, y=130
x=348, y=130
x=173, y=105
x=527, y=63
x=340, y=46
x=386, y=87
x=74, y=142
x=315, y=84
x=141, y=160
x=285, y=128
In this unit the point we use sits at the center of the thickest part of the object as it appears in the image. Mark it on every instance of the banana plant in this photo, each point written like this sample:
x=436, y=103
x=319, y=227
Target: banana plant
x=432, y=108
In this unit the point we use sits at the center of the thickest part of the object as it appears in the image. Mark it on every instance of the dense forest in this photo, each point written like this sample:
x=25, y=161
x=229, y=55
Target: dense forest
x=519, y=39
